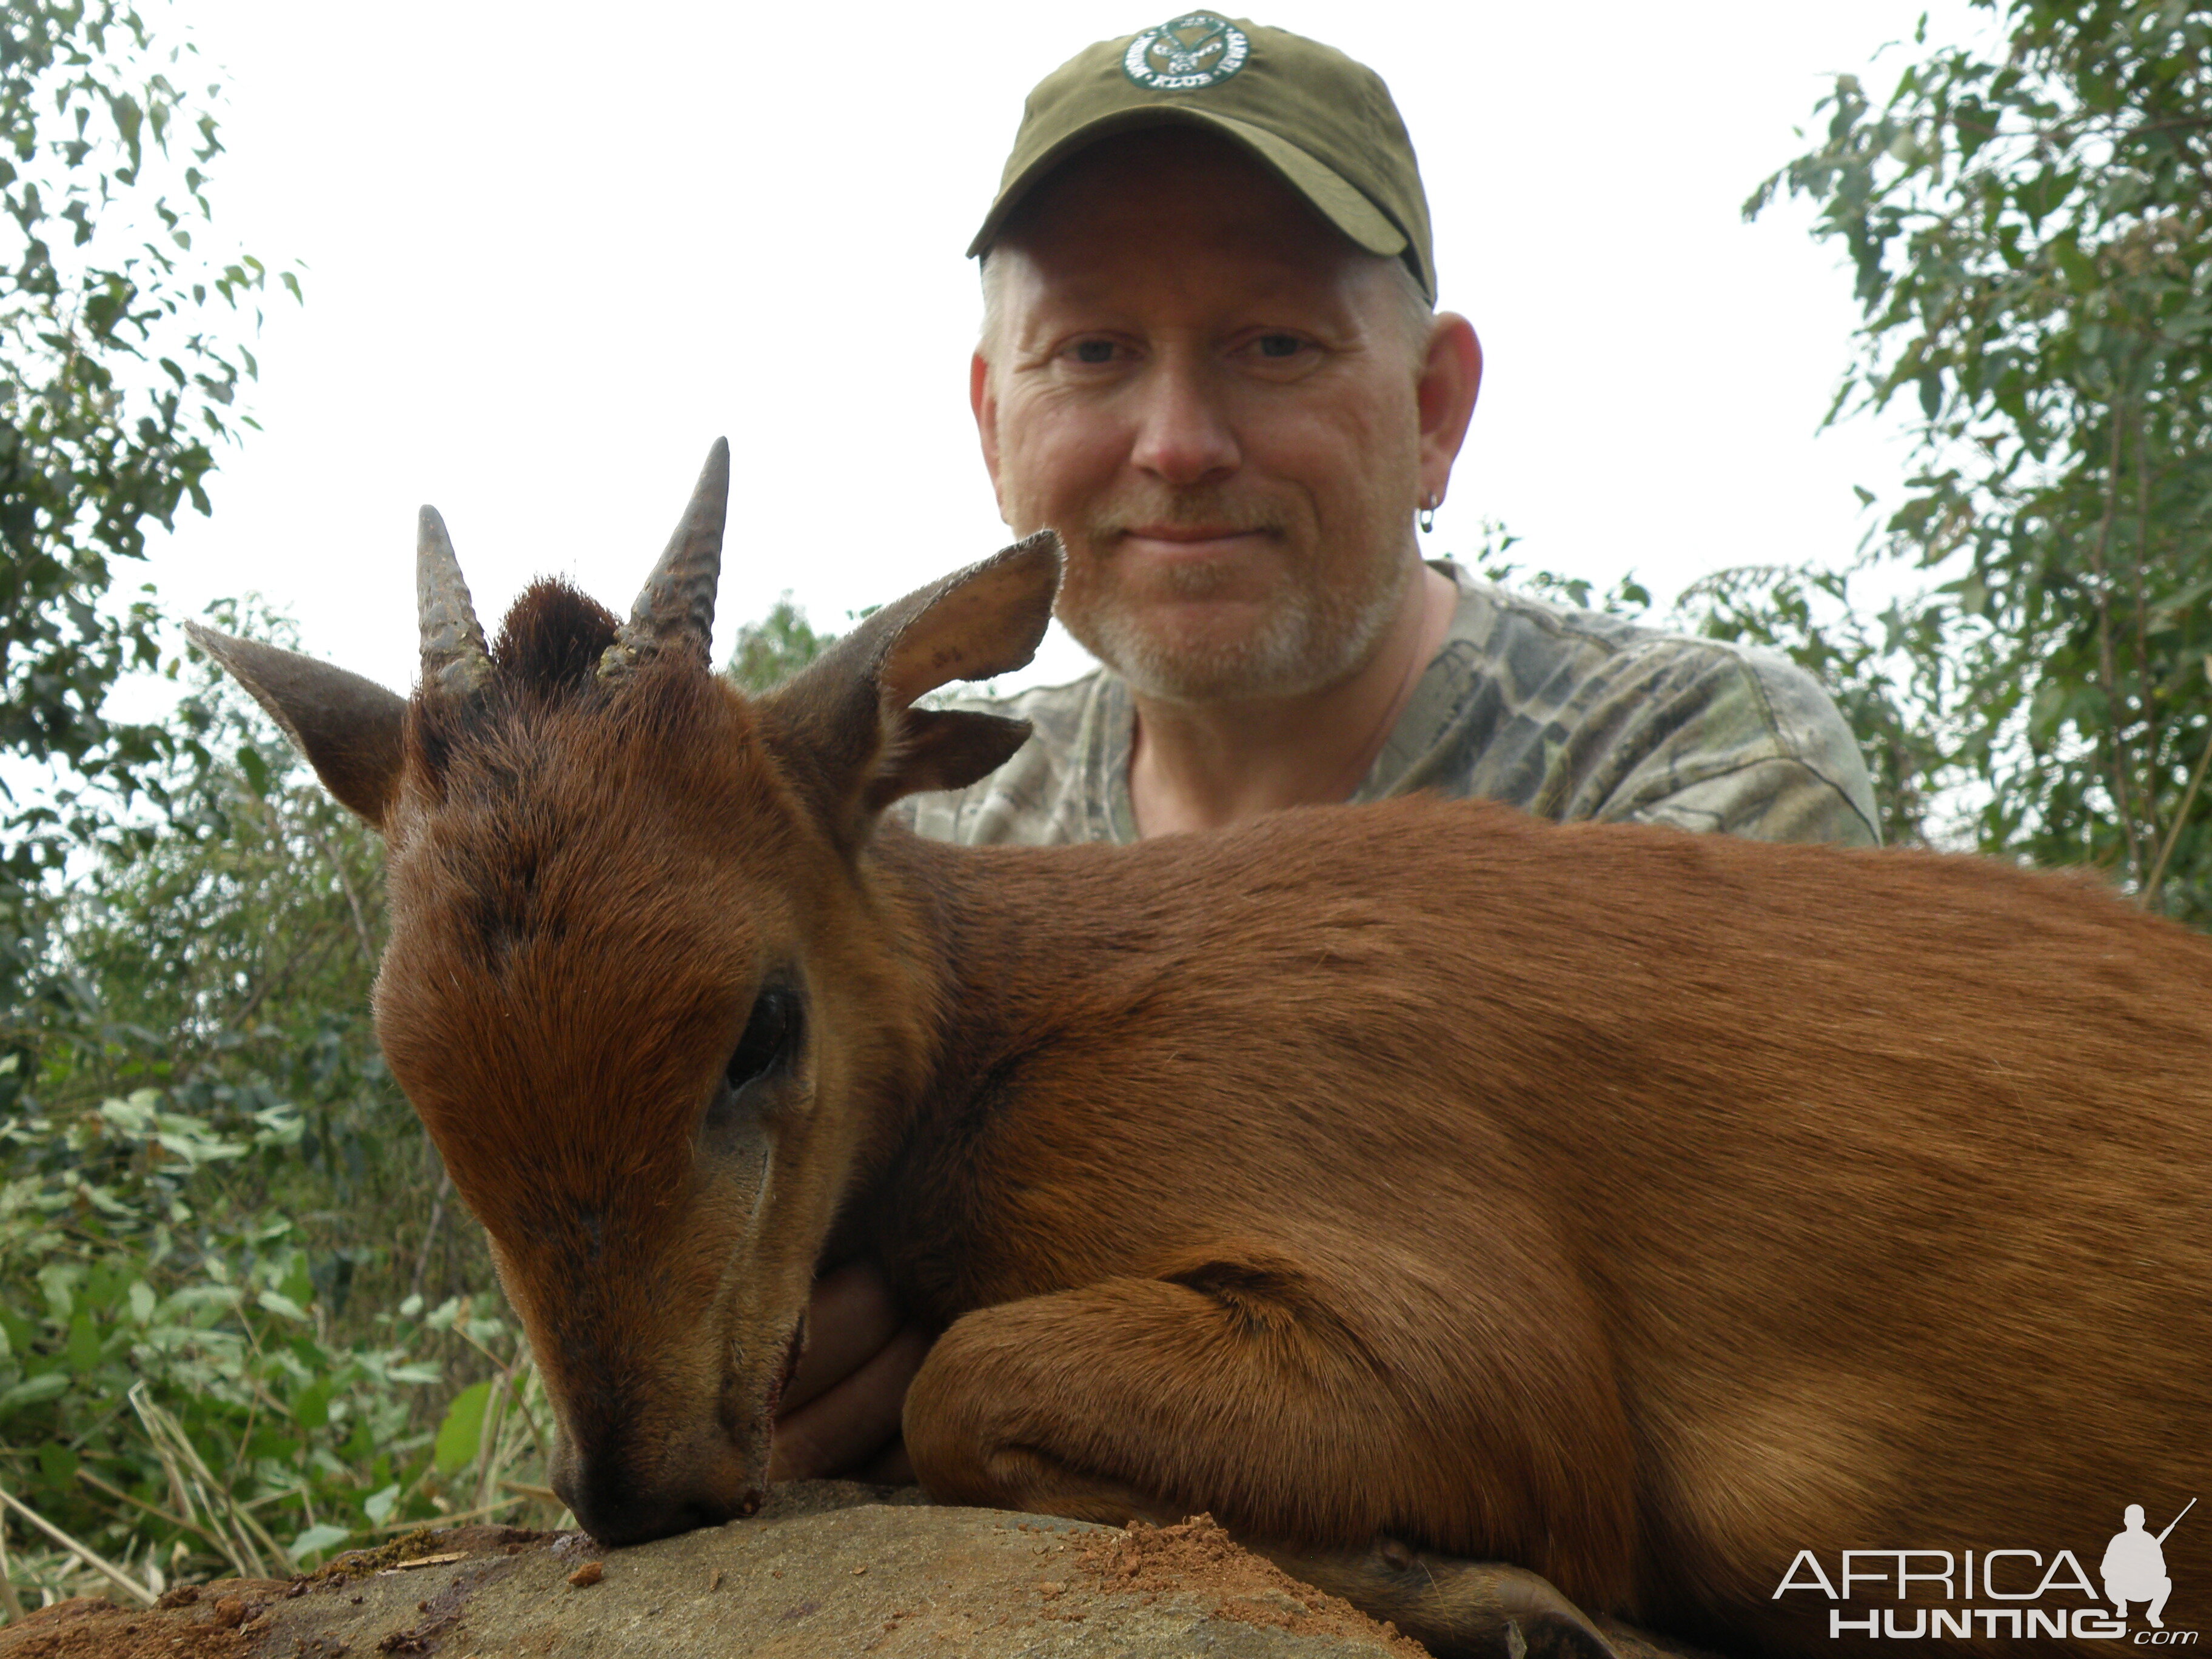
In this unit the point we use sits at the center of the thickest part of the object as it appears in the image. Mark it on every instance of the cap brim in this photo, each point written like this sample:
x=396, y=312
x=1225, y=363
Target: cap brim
x=1336, y=200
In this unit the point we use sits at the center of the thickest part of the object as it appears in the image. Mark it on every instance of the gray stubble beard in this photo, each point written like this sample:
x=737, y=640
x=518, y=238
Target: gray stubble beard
x=1312, y=641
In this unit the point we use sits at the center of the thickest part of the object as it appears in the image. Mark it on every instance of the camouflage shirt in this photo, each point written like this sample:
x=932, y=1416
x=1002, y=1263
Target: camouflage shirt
x=1561, y=713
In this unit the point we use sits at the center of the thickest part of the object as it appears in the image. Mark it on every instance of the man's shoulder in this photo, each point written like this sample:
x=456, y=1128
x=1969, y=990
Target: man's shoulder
x=1053, y=790
x=1543, y=635
x=1052, y=710
x=1578, y=714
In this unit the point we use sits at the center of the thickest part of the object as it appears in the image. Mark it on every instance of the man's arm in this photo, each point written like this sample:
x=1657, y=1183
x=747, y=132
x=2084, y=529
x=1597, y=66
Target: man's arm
x=1767, y=800
x=1747, y=745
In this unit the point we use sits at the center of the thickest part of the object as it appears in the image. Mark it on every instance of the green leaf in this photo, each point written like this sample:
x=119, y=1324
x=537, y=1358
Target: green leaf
x=82, y=1348
x=32, y=1392
x=310, y=1408
x=56, y=1280
x=316, y=1540
x=57, y=1467
x=459, y=1435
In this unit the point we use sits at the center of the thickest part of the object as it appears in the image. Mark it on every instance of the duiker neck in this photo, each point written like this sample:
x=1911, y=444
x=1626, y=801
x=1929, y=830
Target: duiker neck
x=1004, y=946
x=1007, y=936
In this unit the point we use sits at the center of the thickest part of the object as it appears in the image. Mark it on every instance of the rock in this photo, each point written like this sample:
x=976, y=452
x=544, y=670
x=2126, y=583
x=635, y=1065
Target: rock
x=827, y=1568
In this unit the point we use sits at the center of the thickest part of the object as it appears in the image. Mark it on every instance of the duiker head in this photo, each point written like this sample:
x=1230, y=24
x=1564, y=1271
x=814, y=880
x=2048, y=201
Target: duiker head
x=638, y=987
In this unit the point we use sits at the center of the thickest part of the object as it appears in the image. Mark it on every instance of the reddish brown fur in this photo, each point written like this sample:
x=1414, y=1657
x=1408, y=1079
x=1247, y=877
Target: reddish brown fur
x=1667, y=1204
x=1638, y=1207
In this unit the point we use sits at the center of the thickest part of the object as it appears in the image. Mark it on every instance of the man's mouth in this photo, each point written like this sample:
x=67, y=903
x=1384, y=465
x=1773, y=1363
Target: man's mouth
x=1185, y=532
x=1173, y=545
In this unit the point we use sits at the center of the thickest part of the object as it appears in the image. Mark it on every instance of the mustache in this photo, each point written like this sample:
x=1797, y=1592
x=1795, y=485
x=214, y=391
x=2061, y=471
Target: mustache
x=1182, y=509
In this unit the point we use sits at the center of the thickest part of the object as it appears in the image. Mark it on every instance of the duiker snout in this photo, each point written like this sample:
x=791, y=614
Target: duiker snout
x=626, y=1492
x=664, y=1425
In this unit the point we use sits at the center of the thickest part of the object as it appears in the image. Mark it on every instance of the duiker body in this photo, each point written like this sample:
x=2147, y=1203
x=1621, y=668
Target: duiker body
x=1415, y=1186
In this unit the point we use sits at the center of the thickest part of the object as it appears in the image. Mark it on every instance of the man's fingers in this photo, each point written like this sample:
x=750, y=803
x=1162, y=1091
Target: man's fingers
x=843, y=1428
x=842, y=1406
x=850, y=1319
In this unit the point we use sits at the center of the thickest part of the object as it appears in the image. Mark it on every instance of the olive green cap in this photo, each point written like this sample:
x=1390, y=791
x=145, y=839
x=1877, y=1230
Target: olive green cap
x=1322, y=122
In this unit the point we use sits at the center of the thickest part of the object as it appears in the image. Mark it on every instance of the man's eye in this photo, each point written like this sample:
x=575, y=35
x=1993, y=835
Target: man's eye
x=1280, y=346
x=1094, y=351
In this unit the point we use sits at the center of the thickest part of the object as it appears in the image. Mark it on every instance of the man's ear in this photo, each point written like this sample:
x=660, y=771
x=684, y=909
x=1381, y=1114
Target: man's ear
x=846, y=726
x=1450, y=382
x=983, y=402
x=349, y=729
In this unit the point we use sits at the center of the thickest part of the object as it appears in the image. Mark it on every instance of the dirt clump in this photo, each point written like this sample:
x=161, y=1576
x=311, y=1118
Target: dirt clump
x=360, y=1563
x=1197, y=1557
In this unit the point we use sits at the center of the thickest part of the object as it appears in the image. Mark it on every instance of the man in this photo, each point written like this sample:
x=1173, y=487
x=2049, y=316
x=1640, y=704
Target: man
x=1210, y=359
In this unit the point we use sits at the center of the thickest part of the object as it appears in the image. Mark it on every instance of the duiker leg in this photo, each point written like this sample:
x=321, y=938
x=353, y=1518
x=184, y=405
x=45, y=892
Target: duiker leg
x=1146, y=1399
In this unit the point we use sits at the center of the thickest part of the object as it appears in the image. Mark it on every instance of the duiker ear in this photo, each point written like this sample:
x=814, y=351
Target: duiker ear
x=349, y=728
x=845, y=725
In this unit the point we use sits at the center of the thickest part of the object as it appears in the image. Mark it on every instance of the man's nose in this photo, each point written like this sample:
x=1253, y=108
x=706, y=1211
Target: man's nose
x=1182, y=437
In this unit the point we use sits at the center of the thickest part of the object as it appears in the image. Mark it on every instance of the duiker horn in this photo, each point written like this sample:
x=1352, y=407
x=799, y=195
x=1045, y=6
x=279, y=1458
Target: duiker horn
x=675, y=609
x=454, y=657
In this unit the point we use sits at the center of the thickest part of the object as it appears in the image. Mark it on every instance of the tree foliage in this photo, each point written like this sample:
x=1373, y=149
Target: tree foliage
x=121, y=361
x=768, y=652
x=241, y=1319
x=2026, y=219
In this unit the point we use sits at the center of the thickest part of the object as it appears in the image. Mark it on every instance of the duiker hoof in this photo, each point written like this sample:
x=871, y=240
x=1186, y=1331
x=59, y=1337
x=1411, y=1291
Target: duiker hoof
x=1555, y=1636
x=1488, y=1610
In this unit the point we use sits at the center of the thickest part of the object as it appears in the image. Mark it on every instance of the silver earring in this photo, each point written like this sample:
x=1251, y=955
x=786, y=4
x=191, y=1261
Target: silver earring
x=1429, y=513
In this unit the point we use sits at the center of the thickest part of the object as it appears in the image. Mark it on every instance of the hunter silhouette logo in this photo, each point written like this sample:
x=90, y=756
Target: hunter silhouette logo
x=2135, y=1566
x=1195, y=49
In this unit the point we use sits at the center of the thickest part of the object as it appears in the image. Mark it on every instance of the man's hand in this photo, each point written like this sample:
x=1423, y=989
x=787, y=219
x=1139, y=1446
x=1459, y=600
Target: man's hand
x=840, y=1415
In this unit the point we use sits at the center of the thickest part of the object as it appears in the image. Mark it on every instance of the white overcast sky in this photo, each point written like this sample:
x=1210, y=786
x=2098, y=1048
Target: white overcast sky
x=550, y=251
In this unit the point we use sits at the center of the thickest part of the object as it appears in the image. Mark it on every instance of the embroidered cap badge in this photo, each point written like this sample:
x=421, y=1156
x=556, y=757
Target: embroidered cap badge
x=1195, y=49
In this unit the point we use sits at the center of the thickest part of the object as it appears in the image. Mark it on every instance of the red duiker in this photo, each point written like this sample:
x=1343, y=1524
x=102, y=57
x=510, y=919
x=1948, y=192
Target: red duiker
x=1419, y=1187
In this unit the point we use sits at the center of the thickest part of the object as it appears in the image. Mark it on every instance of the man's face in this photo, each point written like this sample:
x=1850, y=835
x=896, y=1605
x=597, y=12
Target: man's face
x=1212, y=396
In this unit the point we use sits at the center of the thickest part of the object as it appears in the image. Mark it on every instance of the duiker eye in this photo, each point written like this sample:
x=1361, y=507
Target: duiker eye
x=770, y=1035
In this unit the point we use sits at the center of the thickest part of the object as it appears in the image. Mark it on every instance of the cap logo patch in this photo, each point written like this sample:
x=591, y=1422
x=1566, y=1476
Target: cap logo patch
x=1195, y=49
